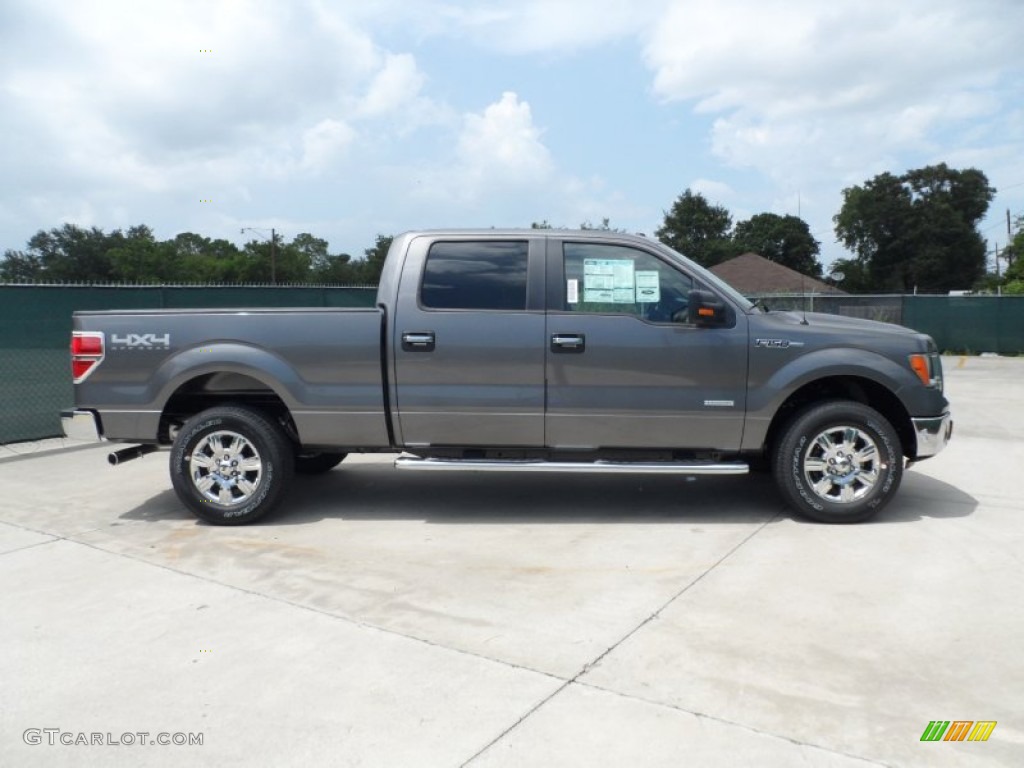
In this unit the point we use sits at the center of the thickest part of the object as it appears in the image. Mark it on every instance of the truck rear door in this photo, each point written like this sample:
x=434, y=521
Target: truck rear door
x=625, y=368
x=468, y=342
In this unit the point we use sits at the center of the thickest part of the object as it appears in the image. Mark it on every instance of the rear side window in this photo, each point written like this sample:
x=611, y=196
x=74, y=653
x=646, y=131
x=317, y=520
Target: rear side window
x=475, y=275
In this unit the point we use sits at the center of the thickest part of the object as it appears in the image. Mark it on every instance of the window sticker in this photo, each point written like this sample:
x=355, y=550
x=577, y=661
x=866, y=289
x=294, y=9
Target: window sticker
x=572, y=291
x=609, y=281
x=648, y=289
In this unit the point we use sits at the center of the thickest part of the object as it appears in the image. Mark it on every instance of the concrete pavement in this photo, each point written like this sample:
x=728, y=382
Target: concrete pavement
x=405, y=619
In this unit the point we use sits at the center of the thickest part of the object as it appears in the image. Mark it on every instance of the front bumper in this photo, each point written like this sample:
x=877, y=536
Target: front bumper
x=933, y=434
x=81, y=425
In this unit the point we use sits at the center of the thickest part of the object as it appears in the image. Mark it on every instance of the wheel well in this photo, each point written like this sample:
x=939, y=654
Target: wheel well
x=861, y=390
x=223, y=388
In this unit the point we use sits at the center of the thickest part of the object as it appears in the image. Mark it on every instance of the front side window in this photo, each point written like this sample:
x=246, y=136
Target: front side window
x=618, y=279
x=475, y=275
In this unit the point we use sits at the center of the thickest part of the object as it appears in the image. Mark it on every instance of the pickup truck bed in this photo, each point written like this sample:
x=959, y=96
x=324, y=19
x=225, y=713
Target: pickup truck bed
x=324, y=365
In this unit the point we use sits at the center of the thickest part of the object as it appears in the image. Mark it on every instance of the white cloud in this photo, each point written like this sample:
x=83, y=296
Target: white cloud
x=497, y=151
x=817, y=96
x=116, y=112
x=112, y=108
x=800, y=86
x=181, y=97
x=502, y=146
x=500, y=173
x=395, y=85
x=324, y=143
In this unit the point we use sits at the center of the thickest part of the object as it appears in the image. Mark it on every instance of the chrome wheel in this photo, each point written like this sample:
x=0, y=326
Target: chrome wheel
x=842, y=464
x=225, y=468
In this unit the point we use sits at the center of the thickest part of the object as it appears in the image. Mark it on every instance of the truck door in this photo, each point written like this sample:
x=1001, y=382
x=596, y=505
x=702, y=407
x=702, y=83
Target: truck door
x=625, y=368
x=468, y=342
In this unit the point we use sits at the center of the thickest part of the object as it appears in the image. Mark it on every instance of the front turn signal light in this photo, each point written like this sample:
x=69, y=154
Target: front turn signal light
x=921, y=365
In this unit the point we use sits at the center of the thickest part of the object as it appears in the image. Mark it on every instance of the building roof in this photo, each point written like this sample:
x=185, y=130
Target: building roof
x=752, y=274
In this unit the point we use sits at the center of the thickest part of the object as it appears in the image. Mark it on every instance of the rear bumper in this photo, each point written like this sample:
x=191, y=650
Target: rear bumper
x=933, y=434
x=81, y=425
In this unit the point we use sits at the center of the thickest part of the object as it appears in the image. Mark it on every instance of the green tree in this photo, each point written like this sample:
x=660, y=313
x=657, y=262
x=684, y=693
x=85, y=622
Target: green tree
x=587, y=225
x=274, y=261
x=367, y=270
x=855, y=277
x=137, y=257
x=324, y=267
x=202, y=260
x=21, y=267
x=698, y=229
x=1014, y=254
x=786, y=240
x=918, y=230
x=68, y=253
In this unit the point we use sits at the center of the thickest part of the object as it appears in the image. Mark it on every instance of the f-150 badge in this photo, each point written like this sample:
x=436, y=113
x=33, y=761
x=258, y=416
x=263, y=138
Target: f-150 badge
x=777, y=343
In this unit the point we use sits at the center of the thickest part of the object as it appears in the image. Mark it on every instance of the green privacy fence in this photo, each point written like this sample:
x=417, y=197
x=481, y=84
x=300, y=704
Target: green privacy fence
x=35, y=327
x=35, y=330
x=969, y=323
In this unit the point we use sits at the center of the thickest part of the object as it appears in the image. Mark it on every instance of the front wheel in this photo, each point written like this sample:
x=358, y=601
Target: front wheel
x=231, y=465
x=838, y=462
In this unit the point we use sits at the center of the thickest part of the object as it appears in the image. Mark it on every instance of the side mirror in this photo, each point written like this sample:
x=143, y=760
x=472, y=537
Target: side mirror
x=706, y=310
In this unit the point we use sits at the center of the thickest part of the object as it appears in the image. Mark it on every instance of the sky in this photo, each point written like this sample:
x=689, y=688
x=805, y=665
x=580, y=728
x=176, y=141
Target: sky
x=353, y=118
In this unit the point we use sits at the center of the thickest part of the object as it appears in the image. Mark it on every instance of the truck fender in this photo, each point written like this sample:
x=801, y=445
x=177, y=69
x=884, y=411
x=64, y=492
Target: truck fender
x=227, y=357
x=765, y=399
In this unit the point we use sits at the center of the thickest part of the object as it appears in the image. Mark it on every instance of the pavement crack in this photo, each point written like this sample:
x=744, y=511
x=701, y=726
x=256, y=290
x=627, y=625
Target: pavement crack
x=590, y=665
x=516, y=724
x=30, y=546
x=724, y=721
x=658, y=611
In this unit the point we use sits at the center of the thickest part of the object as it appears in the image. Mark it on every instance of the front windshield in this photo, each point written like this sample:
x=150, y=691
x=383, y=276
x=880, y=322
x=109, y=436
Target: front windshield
x=709, y=278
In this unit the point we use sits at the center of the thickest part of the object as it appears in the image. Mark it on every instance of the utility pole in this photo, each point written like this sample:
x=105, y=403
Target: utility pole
x=273, y=249
x=1009, y=242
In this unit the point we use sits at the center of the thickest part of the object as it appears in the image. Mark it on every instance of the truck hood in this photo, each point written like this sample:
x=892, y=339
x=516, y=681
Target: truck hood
x=823, y=323
x=838, y=323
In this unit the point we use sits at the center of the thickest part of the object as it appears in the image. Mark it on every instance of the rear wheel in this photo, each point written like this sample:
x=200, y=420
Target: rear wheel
x=231, y=465
x=317, y=463
x=838, y=462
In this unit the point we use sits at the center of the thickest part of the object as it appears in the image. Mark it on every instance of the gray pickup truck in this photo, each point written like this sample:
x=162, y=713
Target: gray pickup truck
x=528, y=351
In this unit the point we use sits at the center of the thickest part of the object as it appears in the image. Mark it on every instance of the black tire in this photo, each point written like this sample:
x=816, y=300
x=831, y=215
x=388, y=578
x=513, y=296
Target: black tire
x=838, y=462
x=317, y=463
x=219, y=491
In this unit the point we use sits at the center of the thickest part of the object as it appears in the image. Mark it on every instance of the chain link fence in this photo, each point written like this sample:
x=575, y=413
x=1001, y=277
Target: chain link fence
x=35, y=332
x=884, y=308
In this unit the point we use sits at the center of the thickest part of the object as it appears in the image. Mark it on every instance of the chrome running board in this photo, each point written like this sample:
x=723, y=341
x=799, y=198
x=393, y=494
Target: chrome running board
x=531, y=465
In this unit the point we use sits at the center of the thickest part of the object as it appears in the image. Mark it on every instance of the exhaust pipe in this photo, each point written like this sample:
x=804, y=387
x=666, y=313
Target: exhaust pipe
x=127, y=454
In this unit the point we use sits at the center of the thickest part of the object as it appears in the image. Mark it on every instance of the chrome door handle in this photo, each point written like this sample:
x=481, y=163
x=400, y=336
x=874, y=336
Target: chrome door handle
x=568, y=342
x=420, y=341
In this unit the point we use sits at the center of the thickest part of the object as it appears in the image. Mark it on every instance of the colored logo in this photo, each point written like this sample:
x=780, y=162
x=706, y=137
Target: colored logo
x=958, y=730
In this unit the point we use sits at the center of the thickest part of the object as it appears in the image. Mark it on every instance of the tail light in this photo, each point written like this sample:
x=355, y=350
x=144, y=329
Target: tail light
x=86, y=353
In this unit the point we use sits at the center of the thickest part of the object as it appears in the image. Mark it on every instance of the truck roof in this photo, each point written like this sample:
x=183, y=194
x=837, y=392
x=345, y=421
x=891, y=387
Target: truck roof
x=526, y=232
